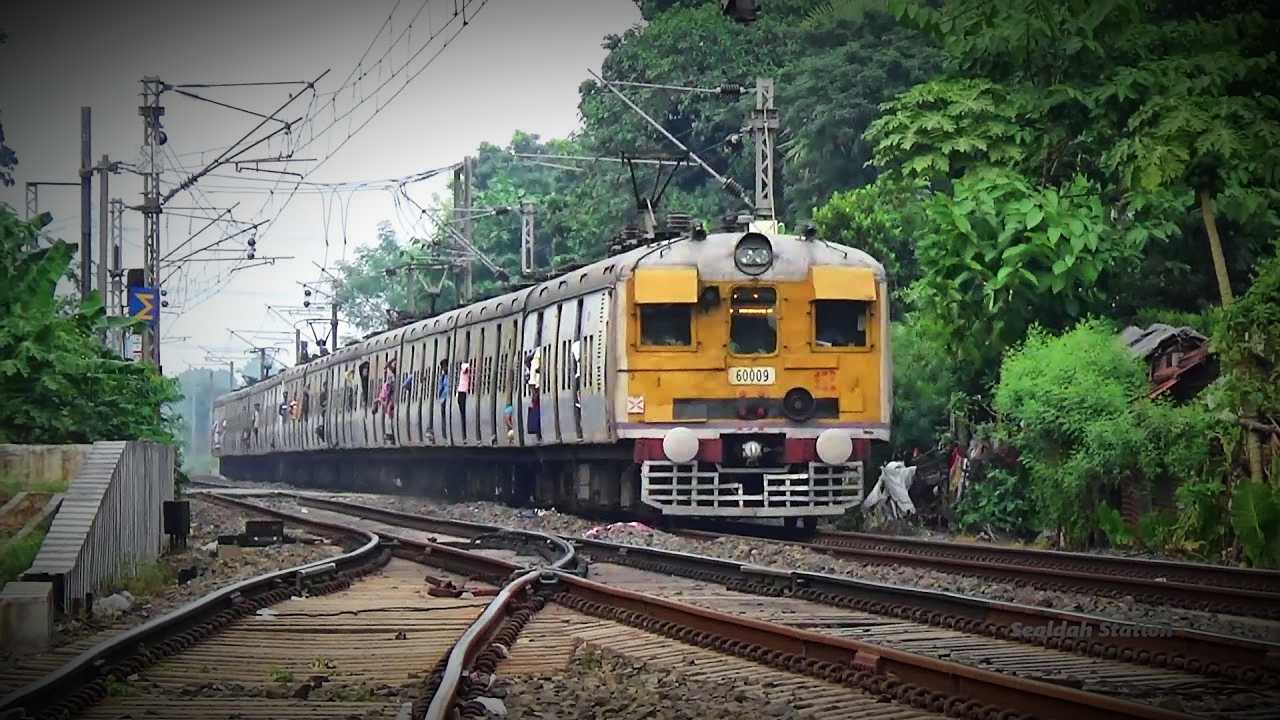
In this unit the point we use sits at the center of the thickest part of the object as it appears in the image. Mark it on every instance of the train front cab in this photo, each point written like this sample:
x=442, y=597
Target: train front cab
x=757, y=396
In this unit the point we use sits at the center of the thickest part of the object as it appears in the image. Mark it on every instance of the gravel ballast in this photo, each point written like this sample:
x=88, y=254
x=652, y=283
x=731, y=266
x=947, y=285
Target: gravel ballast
x=770, y=554
x=602, y=685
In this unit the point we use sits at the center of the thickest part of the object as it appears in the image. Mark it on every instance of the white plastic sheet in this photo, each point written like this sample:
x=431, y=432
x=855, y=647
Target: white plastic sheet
x=890, y=495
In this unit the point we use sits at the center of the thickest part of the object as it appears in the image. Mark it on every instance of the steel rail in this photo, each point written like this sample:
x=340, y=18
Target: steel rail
x=818, y=653
x=1221, y=576
x=92, y=663
x=474, y=641
x=1192, y=650
x=801, y=650
x=1198, y=596
x=1162, y=646
x=550, y=545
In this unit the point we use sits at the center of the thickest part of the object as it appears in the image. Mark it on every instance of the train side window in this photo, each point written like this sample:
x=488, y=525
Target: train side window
x=666, y=324
x=840, y=323
x=753, y=321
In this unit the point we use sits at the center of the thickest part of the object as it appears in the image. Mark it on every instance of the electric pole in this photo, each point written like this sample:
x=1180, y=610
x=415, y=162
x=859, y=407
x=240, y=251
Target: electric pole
x=262, y=364
x=152, y=138
x=527, y=238
x=104, y=231
x=117, y=273
x=462, y=209
x=764, y=125
x=86, y=203
x=333, y=324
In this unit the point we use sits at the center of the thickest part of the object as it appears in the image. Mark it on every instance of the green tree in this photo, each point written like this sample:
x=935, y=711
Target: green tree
x=387, y=276
x=1206, y=124
x=57, y=382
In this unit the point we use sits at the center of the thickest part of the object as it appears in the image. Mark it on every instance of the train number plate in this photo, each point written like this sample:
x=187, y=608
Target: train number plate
x=751, y=376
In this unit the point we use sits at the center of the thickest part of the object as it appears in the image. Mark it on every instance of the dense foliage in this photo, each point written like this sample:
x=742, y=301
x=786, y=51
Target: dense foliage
x=924, y=385
x=1015, y=164
x=1075, y=408
x=58, y=383
x=1248, y=343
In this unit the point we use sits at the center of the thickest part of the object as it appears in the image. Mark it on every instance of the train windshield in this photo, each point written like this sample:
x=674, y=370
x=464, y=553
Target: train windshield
x=666, y=324
x=840, y=323
x=753, y=321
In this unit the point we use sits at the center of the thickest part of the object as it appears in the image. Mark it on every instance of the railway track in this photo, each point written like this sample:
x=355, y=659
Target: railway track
x=1210, y=588
x=1209, y=676
x=816, y=658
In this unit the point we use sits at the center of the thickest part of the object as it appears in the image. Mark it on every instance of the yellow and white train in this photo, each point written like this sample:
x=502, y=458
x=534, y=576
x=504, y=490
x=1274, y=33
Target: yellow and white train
x=736, y=374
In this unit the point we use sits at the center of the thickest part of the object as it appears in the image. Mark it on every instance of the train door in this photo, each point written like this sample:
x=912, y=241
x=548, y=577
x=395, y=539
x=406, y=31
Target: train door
x=483, y=396
x=364, y=378
x=549, y=384
x=503, y=403
x=593, y=397
x=470, y=379
x=530, y=414
x=568, y=354
x=426, y=409
x=443, y=402
x=408, y=356
x=422, y=388
x=351, y=403
x=417, y=375
x=343, y=402
x=305, y=389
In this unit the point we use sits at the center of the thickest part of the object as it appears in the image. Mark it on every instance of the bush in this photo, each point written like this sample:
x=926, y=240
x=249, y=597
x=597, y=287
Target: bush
x=1255, y=516
x=924, y=381
x=1001, y=501
x=1076, y=409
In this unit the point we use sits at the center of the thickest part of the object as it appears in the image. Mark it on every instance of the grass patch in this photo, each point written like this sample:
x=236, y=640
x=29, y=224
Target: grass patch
x=16, y=556
x=148, y=579
x=10, y=486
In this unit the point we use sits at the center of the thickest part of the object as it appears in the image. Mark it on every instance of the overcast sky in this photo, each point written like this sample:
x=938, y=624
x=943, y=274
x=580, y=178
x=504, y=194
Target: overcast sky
x=516, y=65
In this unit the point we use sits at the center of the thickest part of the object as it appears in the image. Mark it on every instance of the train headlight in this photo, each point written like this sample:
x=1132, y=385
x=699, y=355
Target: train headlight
x=680, y=445
x=753, y=254
x=834, y=447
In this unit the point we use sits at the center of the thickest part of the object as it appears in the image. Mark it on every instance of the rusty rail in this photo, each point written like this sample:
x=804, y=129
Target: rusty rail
x=939, y=685
x=1218, y=576
x=82, y=681
x=1246, y=660
x=475, y=641
x=1049, y=569
x=909, y=678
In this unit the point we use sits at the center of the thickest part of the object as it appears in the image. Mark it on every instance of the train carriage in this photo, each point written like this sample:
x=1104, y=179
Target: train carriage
x=736, y=374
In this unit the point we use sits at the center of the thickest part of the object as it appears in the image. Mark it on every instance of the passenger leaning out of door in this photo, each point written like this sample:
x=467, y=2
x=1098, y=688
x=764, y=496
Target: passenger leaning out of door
x=387, y=399
x=442, y=396
x=464, y=388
